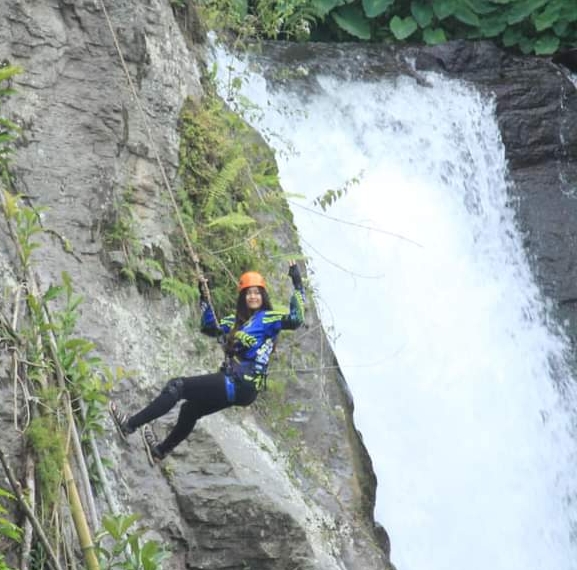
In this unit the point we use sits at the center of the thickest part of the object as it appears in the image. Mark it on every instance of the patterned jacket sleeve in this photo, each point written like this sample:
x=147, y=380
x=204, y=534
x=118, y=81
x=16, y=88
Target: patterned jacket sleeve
x=209, y=324
x=296, y=315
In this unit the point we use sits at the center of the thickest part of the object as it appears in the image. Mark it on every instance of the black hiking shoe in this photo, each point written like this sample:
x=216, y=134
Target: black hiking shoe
x=120, y=420
x=151, y=445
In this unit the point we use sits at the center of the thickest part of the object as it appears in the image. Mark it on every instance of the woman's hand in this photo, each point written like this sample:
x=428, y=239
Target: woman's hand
x=295, y=274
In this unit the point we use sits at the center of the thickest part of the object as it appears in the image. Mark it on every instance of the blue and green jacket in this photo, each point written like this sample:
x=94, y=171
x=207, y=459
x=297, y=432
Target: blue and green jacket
x=254, y=341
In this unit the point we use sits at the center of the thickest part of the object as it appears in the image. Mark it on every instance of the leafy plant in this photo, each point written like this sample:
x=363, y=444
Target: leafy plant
x=532, y=26
x=120, y=233
x=291, y=19
x=230, y=187
x=48, y=441
x=27, y=225
x=119, y=547
x=8, y=529
x=8, y=130
x=88, y=377
x=329, y=197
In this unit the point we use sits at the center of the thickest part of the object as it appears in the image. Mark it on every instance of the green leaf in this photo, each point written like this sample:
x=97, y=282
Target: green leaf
x=569, y=14
x=79, y=345
x=127, y=521
x=240, y=8
x=352, y=20
x=467, y=16
x=526, y=45
x=561, y=28
x=481, y=7
x=434, y=36
x=52, y=292
x=522, y=9
x=374, y=8
x=111, y=527
x=444, y=8
x=402, y=28
x=323, y=7
x=546, y=45
x=231, y=221
x=10, y=530
x=9, y=71
x=5, y=493
x=548, y=16
x=422, y=12
x=493, y=26
x=512, y=36
x=66, y=280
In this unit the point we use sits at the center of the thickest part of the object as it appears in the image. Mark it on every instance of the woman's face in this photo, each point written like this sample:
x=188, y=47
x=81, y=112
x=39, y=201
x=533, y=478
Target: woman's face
x=253, y=298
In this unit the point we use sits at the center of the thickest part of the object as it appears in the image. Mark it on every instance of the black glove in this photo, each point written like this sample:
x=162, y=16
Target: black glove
x=295, y=275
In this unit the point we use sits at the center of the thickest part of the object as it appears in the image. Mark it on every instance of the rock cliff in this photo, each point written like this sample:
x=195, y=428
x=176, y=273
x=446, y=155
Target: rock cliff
x=232, y=496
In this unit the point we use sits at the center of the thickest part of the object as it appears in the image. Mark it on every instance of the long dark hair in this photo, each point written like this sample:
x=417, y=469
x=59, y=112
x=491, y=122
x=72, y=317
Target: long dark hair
x=243, y=313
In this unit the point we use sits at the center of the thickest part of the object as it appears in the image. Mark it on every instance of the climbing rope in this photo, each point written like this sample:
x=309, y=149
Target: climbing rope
x=194, y=257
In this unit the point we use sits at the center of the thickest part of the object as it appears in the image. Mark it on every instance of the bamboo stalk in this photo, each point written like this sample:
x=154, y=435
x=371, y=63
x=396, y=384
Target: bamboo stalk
x=78, y=514
x=34, y=521
x=14, y=325
x=77, y=510
x=99, y=467
x=79, y=519
x=76, y=445
x=84, y=476
x=31, y=490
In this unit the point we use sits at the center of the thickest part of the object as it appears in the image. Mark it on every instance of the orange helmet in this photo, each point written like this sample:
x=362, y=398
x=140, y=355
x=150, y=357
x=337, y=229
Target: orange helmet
x=251, y=279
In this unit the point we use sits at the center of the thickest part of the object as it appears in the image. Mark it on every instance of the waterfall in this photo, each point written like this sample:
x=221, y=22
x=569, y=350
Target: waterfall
x=459, y=380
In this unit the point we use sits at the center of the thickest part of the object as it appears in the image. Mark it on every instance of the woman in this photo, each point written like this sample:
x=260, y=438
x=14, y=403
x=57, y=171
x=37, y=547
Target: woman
x=248, y=338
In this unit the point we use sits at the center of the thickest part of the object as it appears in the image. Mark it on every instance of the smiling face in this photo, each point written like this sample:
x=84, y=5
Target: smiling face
x=253, y=298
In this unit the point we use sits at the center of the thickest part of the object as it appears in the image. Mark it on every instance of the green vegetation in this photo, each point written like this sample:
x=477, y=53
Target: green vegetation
x=48, y=440
x=119, y=232
x=63, y=369
x=291, y=19
x=8, y=529
x=8, y=130
x=65, y=385
x=229, y=200
x=119, y=547
x=529, y=26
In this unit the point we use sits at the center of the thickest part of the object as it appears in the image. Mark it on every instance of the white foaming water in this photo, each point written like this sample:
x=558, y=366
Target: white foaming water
x=442, y=339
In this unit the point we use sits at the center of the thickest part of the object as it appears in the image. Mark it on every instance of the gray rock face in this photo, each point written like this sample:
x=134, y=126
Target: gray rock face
x=230, y=497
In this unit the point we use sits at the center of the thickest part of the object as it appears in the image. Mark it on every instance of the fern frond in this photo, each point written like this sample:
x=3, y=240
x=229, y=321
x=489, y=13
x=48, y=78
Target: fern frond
x=232, y=221
x=182, y=291
x=224, y=180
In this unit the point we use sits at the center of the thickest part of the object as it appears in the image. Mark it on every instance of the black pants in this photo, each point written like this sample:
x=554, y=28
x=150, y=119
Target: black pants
x=204, y=395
